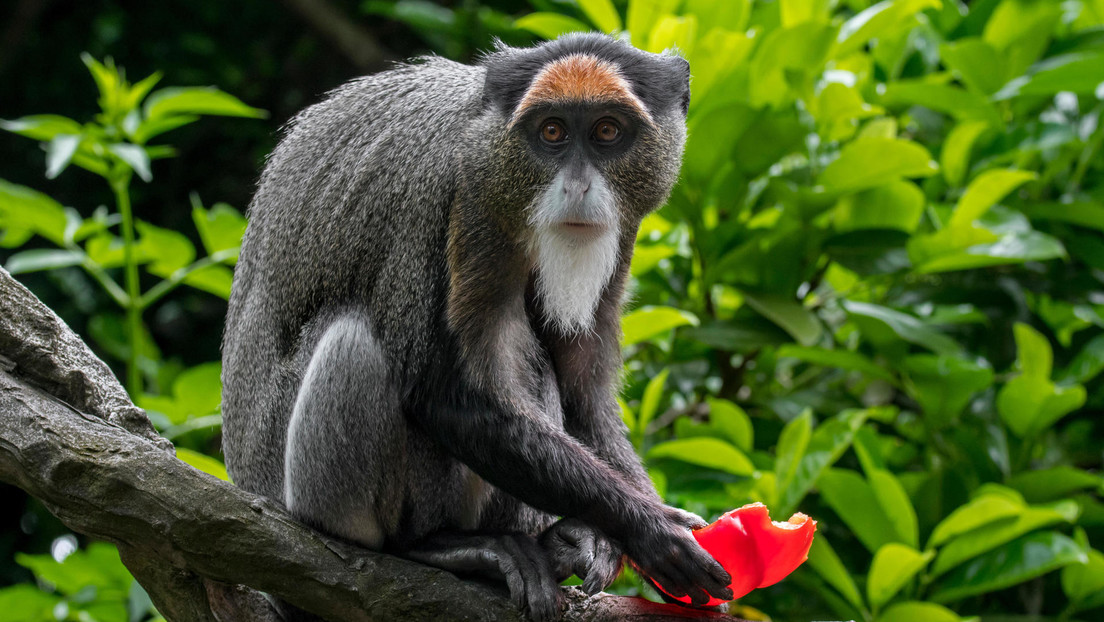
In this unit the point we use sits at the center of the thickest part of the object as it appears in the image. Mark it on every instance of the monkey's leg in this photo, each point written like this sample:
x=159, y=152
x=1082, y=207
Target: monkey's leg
x=345, y=458
x=353, y=464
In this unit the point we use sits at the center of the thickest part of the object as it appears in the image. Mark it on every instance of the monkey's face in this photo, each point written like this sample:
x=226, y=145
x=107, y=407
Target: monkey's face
x=593, y=140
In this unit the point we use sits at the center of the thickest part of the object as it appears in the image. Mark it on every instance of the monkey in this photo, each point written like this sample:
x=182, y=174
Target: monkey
x=422, y=346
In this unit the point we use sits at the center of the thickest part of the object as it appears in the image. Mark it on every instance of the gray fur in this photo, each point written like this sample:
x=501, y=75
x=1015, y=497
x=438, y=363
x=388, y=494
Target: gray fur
x=390, y=373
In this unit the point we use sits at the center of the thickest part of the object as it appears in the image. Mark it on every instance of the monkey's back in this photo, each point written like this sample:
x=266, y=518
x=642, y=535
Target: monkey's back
x=353, y=202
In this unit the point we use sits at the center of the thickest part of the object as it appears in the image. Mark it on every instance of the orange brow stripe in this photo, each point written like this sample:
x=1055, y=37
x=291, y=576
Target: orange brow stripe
x=579, y=78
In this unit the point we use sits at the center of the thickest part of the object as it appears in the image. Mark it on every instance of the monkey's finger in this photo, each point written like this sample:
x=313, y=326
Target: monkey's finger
x=511, y=565
x=606, y=567
x=541, y=588
x=585, y=554
x=690, y=519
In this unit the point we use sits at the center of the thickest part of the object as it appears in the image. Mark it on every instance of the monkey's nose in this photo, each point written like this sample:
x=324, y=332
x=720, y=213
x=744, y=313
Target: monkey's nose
x=577, y=187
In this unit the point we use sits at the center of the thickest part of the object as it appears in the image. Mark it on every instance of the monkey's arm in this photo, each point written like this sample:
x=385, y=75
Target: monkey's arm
x=548, y=469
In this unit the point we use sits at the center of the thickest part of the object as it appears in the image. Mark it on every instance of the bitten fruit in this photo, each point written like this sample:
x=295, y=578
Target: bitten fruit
x=756, y=551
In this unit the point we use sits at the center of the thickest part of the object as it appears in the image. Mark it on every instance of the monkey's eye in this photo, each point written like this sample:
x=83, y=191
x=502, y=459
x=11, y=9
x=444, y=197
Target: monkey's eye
x=553, y=132
x=607, y=131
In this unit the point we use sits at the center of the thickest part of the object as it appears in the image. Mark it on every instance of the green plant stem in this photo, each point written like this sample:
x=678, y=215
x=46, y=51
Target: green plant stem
x=120, y=186
x=110, y=286
x=158, y=291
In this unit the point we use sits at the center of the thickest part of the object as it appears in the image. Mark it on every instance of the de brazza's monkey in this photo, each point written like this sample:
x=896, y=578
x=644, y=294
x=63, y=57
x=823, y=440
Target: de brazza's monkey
x=422, y=345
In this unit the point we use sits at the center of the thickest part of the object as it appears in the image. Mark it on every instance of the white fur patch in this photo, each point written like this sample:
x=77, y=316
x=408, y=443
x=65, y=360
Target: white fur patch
x=573, y=268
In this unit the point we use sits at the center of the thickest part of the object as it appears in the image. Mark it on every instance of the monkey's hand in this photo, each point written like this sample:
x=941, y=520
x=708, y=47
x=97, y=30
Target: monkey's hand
x=665, y=551
x=579, y=549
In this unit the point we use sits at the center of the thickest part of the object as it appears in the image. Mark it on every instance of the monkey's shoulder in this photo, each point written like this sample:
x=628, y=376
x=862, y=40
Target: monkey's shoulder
x=428, y=88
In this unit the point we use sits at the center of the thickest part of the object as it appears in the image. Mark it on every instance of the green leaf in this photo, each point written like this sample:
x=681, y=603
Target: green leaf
x=643, y=15
x=602, y=14
x=984, y=192
x=876, y=21
x=1080, y=72
x=647, y=257
x=711, y=453
x=24, y=209
x=203, y=462
x=996, y=533
x=829, y=441
x=1088, y=363
x=824, y=561
x=867, y=162
x=958, y=103
x=787, y=61
x=894, y=565
x=944, y=385
x=853, y=499
x=898, y=204
x=895, y=504
x=165, y=249
x=648, y=322
x=1030, y=405
x=1013, y=248
x=42, y=126
x=220, y=228
x=42, y=259
x=916, y=611
x=975, y=62
x=550, y=25
x=649, y=402
x=26, y=603
x=732, y=421
x=1021, y=30
x=794, y=12
x=197, y=101
x=97, y=566
x=159, y=125
x=1080, y=581
x=792, y=443
x=981, y=511
x=801, y=323
x=214, y=279
x=1089, y=214
x=954, y=160
x=674, y=33
x=1054, y=483
x=841, y=359
x=135, y=157
x=1030, y=402
x=731, y=16
x=872, y=319
x=627, y=416
x=1018, y=561
x=59, y=153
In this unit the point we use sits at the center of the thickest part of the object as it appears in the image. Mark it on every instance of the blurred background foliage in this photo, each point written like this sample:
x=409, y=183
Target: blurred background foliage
x=876, y=295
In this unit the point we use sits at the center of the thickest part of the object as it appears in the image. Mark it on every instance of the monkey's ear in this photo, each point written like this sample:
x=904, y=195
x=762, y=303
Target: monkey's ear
x=682, y=67
x=662, y=81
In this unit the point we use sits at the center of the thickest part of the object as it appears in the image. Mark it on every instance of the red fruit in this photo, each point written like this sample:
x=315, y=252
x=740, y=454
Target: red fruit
x=754, y=550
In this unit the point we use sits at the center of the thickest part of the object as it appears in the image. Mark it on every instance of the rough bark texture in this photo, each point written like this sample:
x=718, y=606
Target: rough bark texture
x=70, y=436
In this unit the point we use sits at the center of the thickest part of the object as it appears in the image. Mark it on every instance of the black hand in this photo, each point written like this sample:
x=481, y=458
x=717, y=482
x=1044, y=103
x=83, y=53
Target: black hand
x=669, y=554
x=577, y=548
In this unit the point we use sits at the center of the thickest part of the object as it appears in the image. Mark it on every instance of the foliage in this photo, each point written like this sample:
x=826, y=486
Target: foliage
x=875, y=295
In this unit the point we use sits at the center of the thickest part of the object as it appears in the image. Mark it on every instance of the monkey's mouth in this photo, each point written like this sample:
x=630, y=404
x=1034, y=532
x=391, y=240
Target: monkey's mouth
x=581, y=226
x=581, y=229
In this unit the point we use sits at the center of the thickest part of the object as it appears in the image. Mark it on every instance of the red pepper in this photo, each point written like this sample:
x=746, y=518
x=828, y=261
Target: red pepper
x=754, y=550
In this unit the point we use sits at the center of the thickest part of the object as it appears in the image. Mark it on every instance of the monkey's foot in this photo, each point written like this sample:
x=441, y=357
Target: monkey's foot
x=516, y=559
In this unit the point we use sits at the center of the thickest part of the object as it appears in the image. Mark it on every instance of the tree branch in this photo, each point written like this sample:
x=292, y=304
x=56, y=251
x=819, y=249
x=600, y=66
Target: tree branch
x=193, y=541
x=358, y=45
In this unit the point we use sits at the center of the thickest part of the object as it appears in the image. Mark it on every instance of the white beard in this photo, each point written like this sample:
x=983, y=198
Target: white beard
x=573, y=267
x=572, y=272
